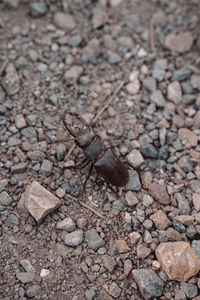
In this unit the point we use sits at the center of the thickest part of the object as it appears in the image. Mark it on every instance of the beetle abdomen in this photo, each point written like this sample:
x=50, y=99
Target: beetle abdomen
x=110, y=167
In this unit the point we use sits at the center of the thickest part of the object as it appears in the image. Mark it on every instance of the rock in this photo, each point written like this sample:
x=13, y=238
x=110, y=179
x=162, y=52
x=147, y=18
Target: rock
x=178, y=260
x=131, y=199
x=134, y=237
x=75, y=41
x=195, y=186
x=196, y=124
x=11, y=82
x=114, y=3
x=114, y=290
x=195, y=199
x=135, y=158
x=19, y=168
x=109, y=262
x=36, y=155
x=74, y=238
x=92, y=50
x=188, y=137
x=13, y=4
x=127, y=267
x=66, y=224
x=20, y=121
x=134, y=181
x=172, y=235
x=72, y=75
x=183, y=204
x=158, y=98
x=181, y=74
x=26, y=264
x=142, y=251
x=33, y=291
x=150, y=84
x=196, y=247
x=180, y=43
x=174, y=92
x=146, y=179
x=39, y=201
x=21, y=62
x=99, y=18
x=149, y=151
x=46, y=167
x=64, y=21
x=159, y=193
x=160, y=220
x=149, y=283
x=60, y=152
x=5, y=199
x=121, y=246
x=189, y=289
x=93, y=239
x=184, y=219
x=11, y=221
x=25, y=277
x=3, y=184
x=37, y=9
x=113, y=58
x=133, y=87
x=44, y=273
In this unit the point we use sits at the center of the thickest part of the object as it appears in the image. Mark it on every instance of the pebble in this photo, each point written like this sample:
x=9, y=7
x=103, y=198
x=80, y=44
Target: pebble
x=66, y=224
x=37, y=9
x=109, y=262
x=99, y=18
x=20, y=121
x=114, y=290
x=74, y=238
x=134, y=181
x=196, y=247
x=60, y=152
x=75, y=41
x=184, y=219
x=3, y=184
x=33, y=291
x=19, y=168
x=149, y=151
x=44, y=273
x=11, y=221
x=150, y=285
x=135, y=158
x=11, y=81
x=178, y=260
x=174, y=92
x=142, y=251
x=196, y=201
x=180, y=43
x=133, y=87
x=121, y=246
x=39, y=201
x=26, y=264
x=188, y=137
x=160, y=220
x=46, y=167
x=64, y=21
x=150, y=84
x=181, y=74
x=131, y=199
x=25, y=277
x=158, y=98
x=113, y=58
x=183, y=205
x=21, y=62
x=189, y=289
x=5, y=199
x=73, y=74
x=159, y=193
x=93, y=239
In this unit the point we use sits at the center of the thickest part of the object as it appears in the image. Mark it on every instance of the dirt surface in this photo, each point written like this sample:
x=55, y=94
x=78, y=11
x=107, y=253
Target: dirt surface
x=74, y=64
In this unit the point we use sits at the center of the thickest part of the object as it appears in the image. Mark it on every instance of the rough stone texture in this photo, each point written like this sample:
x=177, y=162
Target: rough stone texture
x=188, y=138
x=135, y=158
x=121, y=246
x=39, y=201
x=64, y=21
x=160, y=220
x=74, y=238
x=149, y=283
x=94, y=240
x=159, y=193
x=178, y=260
x=66, y=224
x=174, y=92
x=179, y=42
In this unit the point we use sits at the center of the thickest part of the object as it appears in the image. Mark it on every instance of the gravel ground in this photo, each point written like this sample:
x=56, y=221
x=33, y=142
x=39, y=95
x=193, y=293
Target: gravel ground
x=71, y=56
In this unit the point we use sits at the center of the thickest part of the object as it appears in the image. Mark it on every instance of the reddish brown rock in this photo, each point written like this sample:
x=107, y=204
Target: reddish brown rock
x=142, y=251
x=188, y=138
x=39, y=201
x=184, y=219
x=159, y=193
x=196, y=201
x=180, y=43
x=121, y=246
x=160, y=220
x=172, y=235
x=178, y=260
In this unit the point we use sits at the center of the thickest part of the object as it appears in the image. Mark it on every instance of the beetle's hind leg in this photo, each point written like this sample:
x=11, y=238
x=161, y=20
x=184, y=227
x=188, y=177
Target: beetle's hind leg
x=82, y=164
x=88, y=176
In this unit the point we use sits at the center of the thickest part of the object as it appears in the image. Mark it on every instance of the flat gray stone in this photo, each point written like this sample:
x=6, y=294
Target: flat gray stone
x=94, y=240
x=74, y=238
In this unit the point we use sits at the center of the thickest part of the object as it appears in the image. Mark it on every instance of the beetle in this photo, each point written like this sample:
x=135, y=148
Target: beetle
x=105, y=161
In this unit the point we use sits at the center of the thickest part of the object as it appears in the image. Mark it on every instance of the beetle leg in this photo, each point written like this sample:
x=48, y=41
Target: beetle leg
x=88, y=176
x=83, y=164
x=85, y=124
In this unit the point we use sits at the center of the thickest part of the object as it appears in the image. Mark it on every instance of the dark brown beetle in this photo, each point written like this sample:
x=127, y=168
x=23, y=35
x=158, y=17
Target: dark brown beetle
x=106, y=162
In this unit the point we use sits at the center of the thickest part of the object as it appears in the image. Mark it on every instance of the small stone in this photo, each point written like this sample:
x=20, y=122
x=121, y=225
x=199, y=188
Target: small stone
x=85, y=80
x=157, y=98
x=172, y=235
x=66, y=224
x=196, y=247
x=29, y=132
x=26, y=264
x=134, y=181
x=75, y=41
x=114, y=3
x=195, y=186
x=46, y=167
x=37, y=9
x=181, y=74
x=99, y=18
x=184, y=219
x=160, y=220
x=158, y=74
x=5, y=199
x=178, y=260
x=142, y=251
x=3, y=184
x=159, y=193
x=74, y=238
x=20, y=121
x=180, y=43
x=150, y=285
x=11, y=80
x=114, y=290
x=60, y=152
x=127, y=267
x=19, y=168
x=42, y=67
x=188, y=137
x=91, y=50
x=94, y=240
x=149, y=151
x=189, y=289
x=64, y=21
x=135, y=158
x=33, y=291
x=72, y=75
x=146, y=179
x=134, y=237
x=149, y=84
x=196, y=124
x=44, y=273
x=174, y=92
x=12, y=141
x=11, y=221
x=196, y=201
x=131, y=199
x=109, y=262
x=186, y=164
x=21, y=62
x=141, y=53
x=113, y=58
x=25, y=277
x=121, y=246
x=36, y=155
x=39, y=201
x=133, y=87
x=183, y=205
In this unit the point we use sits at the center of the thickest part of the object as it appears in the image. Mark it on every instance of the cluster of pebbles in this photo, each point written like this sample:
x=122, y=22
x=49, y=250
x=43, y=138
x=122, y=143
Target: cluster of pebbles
x=61, y=56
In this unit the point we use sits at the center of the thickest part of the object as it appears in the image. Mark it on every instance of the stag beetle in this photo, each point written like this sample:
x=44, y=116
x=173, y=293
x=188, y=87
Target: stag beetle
x=107, y=164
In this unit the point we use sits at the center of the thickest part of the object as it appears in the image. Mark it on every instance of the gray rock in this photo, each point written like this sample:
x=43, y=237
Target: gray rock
x=181, y=74
x=13, y=141
x=191, y=231
x=29, y=132
x=186, y=164
x=26, y=264
x=60, y=152
x=196, y=247
x=37, y=9
x=11, y=81
x=25, y=277
x=19, y=168
x=46, y=167
x=42, y=67
x=113, y=58
x=94, y=240
x=11, y=221
x=183, y=205
x=149, y=151
x=189, y=289
x=53, y=99
x=134, y=181
x=157, y=98
x=180, y=295
x=150, y=84
x=21, y=62
x=33, y=291
x=114, y=290
x=158, y=74
x=66, y=224
x=75, y=41
x=3, y=184
x=85, y=80
x=164, y=152
x=149, y=283
x=2, y=24
x=189, y=99
x=74, y=238
x=178, y=226
x=5, y=199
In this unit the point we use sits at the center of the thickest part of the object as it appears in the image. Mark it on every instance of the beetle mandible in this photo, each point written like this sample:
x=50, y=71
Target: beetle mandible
x=107, y=164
